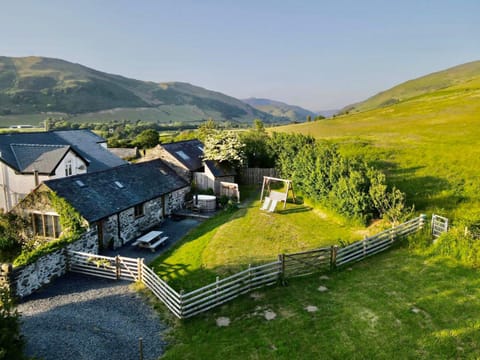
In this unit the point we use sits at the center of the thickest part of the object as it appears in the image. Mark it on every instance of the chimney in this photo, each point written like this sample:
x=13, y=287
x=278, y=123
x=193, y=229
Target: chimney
x=35, y=175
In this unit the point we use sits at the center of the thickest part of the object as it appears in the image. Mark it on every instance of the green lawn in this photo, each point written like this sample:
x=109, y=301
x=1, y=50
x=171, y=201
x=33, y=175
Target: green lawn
x=231, y=241
x=394, y=305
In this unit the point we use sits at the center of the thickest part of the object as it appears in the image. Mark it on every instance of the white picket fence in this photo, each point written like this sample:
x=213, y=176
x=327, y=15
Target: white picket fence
x=185, y=305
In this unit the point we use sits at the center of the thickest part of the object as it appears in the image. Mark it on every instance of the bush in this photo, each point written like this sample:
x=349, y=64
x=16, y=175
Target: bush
x=29, y=257
x=345, y=184
x=459, y=244
x=11, y=341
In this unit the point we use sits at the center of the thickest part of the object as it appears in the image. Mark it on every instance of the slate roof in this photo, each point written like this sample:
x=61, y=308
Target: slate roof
x=98, y=195
x=189, y=153
x=219, y=170
x=42, y=158
x=84, y=142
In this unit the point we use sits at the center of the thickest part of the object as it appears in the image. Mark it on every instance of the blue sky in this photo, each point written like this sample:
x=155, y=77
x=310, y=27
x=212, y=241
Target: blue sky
x=316, y=54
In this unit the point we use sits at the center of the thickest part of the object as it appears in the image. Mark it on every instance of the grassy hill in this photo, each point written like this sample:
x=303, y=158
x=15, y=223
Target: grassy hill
x=428, y=143
x=462, y=76
x=279, y=109
x=33, y=87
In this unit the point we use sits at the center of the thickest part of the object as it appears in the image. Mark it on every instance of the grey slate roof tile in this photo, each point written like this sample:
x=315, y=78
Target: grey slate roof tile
x=189, y=153
x=84, y=142
x=96, y=195
x=41, y=158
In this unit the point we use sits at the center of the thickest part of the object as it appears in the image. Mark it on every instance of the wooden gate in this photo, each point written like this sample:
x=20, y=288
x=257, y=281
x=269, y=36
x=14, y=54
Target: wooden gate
x=439, y=225
x=116, y=268
x=306, y=262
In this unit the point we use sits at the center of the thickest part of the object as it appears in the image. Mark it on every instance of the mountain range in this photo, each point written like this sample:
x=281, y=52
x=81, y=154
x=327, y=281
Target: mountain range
x=280, y=109
x=38, y=87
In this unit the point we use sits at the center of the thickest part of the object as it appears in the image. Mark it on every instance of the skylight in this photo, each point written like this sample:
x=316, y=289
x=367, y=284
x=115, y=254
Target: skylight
x=119, y=184
x=80, y=183
x=182, y=155
x=200, y=148
x=163, y=172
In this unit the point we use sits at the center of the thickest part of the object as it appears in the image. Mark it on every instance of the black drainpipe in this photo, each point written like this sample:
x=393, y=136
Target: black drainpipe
x=118, y=228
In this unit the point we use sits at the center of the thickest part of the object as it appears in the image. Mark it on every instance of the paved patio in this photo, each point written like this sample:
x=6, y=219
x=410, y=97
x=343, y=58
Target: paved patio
x=175, y=230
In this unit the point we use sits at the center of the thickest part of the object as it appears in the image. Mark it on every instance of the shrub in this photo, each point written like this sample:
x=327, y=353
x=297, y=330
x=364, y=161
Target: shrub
x=459, y=244
x=11, y=341
x=29, y=257
x=345, y=184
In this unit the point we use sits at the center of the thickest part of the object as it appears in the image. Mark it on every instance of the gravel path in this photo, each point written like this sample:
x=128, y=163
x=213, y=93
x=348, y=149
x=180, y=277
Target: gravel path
x=83, y=317
x=80, y=317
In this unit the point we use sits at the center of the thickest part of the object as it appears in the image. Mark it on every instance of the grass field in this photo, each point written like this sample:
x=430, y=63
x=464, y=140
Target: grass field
x=428, y=145
x=231, y=241
x=394, y=305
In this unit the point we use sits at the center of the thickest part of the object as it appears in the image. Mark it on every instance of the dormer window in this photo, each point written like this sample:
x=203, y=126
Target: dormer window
x=68, y=168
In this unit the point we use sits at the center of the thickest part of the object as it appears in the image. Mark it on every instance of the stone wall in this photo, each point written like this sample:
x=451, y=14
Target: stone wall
x=27, y=279
x=176, y=200
x=132, y=227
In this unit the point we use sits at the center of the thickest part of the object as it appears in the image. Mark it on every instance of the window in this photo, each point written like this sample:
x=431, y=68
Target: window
x=119, y=184
x=68, y=168
x=182, y=155
x=138, y=210
x=46, y=225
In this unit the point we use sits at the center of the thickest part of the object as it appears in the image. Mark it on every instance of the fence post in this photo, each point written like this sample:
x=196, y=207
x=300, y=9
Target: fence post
x=117, y=267
x=249, y=276
x=432, y=224
x=281, y=269
x=423, y=220
x=181, y=303
x=140, y=269
x=333, y=257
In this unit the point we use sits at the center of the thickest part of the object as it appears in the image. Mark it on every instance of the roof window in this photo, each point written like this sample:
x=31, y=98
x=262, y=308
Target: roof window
x=80, y=183
x=182, y=155
x=119, y=184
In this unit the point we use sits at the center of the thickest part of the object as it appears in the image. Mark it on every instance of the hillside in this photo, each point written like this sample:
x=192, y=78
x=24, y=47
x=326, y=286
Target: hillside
x=34, y=86
x=429, y=144
x=464, y=76
x=279, y=109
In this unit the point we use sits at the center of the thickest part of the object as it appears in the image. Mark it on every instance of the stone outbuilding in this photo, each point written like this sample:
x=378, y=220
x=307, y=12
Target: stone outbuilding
x=121, y=203
x=185, y=157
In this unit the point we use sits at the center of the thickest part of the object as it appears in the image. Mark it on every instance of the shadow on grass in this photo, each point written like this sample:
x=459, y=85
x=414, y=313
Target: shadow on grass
x=295, y=210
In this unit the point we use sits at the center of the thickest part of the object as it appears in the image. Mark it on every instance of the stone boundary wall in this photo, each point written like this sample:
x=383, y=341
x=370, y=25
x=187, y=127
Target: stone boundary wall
x=24, y=280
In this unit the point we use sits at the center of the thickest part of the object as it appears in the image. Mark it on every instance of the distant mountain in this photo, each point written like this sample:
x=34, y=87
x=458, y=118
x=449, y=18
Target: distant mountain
x=280, y=109
x=328, y=113
x=453, y=80
x=30, y=86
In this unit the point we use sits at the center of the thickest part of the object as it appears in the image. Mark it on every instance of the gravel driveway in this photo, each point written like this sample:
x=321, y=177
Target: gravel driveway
x=83, y=317
x=80, y=317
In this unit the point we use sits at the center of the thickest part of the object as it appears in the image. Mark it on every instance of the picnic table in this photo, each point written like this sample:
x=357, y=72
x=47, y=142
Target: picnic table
x=151, y=240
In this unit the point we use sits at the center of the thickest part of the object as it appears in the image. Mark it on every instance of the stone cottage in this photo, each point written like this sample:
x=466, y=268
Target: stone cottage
x=121, y=203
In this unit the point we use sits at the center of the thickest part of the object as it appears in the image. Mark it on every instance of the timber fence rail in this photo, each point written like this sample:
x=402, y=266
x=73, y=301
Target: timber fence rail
x=377, y=243
x=188, y=304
